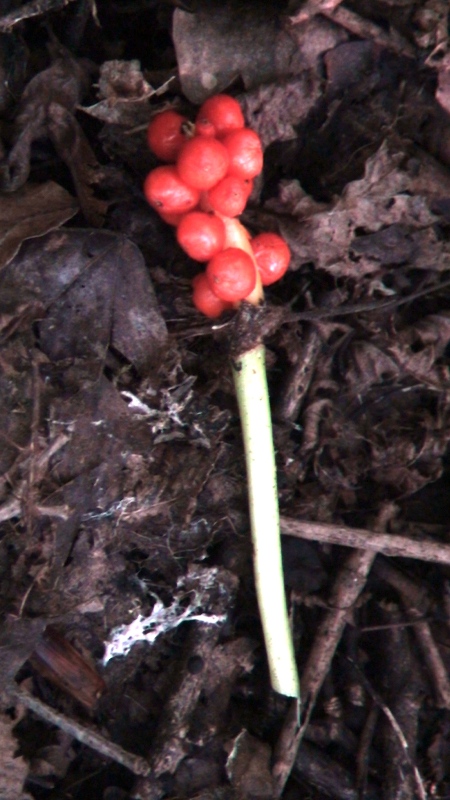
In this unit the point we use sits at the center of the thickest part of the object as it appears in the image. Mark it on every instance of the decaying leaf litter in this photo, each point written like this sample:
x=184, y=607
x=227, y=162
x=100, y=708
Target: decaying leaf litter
x=123, y=498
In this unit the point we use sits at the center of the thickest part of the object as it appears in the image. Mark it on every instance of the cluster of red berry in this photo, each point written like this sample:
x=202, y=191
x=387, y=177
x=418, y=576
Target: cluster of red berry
x=202, y=189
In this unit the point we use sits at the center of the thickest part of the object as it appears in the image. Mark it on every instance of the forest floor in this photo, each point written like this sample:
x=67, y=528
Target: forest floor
x=123, y=497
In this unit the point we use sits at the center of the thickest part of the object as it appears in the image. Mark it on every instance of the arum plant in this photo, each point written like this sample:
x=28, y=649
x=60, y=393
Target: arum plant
x=201, y=190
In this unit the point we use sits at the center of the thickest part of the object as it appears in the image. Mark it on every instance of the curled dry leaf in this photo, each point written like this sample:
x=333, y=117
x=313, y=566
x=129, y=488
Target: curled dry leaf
x=47, y=109
x=379, y=221
x=32, y=211
x=123, y=94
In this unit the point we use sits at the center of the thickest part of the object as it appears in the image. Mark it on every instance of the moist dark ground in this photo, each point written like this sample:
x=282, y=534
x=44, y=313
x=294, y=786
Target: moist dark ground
x=123, y=489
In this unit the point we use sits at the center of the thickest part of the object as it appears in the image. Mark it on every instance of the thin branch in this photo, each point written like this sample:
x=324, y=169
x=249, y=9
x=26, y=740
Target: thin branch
x=416, y=603
x=137, y=765
x=387, y=543
x=397, y=730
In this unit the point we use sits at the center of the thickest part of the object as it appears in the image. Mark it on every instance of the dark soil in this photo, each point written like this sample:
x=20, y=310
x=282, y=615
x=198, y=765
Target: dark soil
x=123, y=488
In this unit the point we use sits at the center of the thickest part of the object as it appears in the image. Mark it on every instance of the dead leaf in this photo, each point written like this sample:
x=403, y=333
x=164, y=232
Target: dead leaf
x=55, y=658
x=28, y=11
x=32, y=211
x=273, y=110
x=47, y=109
x=380, y=218
x=97, y=293
x=123, y=94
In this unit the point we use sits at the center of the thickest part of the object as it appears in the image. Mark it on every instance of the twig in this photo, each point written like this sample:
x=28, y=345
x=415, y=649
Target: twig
x=397, y=730
x=362, y=755
x=313, y=7
x=137, y=765
x=415, y=603
x=402, y=687
x=172, y=728
x=389, y=544
x=37, y=466
x=346, y=590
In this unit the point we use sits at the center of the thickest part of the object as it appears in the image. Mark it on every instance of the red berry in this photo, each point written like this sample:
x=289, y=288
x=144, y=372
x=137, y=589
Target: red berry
x=222, y=112
x=201, y=235
x=231, y=274
x=204, y=128
x=167, y=193
x=245, y=152
x=165, y=135
x=171, y=219
x=205, y=300
x=202, y=162
x=272, y=256
x=229, y=196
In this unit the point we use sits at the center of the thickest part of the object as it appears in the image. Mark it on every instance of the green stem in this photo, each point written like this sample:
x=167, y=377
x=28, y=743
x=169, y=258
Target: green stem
x=249, y=373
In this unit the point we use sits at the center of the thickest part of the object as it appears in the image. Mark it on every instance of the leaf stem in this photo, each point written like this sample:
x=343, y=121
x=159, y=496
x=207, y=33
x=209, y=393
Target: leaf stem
x=249, y=372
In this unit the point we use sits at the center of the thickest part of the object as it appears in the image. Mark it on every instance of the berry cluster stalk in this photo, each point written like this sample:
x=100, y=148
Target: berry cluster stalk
x=249, y=373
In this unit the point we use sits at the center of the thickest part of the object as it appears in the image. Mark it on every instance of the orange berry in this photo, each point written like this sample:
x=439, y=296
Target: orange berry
x=167, y=193
x=231, y=274
x=165, y=135
x=222, y=113
x=201, y=235
x=203, y=161
x=245, y=151
x=205, y=300
x=272, y=256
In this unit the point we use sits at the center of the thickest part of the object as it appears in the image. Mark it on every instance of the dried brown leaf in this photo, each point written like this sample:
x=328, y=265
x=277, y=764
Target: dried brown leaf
x=32, y=211
x=396, y=221
x=75, y=150
x=97, y=292
x=47, y=109
x=123, y=94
